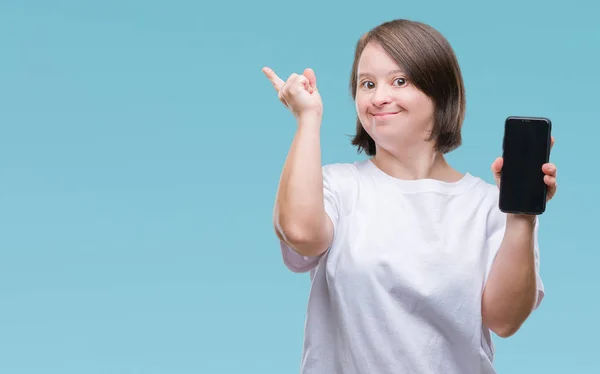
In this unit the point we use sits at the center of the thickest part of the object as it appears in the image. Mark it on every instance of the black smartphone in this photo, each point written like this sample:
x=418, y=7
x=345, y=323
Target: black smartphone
x=525, y=148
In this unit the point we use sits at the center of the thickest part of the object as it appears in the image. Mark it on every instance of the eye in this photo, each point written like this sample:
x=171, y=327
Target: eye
x=400, y=81
x=367, y=84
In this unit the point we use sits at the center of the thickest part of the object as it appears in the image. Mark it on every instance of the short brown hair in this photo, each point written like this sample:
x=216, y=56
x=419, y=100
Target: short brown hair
x=430, y=64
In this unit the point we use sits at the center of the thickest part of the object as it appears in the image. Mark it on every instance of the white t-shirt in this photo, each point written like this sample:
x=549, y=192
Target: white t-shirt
x=399, y=290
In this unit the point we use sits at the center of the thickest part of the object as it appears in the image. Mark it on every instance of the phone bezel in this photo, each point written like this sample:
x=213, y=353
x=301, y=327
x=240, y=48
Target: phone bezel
x=526, y=119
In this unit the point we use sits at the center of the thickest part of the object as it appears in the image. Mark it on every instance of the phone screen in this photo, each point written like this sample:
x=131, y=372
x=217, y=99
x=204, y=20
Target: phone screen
x=526, y=148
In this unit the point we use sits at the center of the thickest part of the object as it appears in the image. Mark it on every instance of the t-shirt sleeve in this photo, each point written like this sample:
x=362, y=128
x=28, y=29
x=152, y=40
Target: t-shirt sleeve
x=495, y=235
x=333, y=175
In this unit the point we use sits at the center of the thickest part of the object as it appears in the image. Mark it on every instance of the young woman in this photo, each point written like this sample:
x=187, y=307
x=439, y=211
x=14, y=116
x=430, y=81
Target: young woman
x=412, y=263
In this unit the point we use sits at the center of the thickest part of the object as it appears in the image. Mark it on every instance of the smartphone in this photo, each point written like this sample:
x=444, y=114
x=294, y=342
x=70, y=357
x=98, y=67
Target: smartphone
x=525, y=148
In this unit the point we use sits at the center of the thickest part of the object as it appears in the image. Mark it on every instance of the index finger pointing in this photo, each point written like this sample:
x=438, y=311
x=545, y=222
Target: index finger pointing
x=277, y=82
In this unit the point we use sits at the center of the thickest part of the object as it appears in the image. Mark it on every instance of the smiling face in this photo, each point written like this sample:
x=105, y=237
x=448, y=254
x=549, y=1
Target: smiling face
x=409, y=71
x=392, y=111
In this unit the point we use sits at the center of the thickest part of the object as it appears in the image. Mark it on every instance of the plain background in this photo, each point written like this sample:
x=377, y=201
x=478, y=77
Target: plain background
x=141, y=147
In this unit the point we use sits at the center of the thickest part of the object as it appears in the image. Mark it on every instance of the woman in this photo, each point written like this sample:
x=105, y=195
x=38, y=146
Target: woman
x=412, y=263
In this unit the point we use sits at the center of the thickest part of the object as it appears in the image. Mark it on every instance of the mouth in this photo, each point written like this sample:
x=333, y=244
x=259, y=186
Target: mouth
x=384, y=114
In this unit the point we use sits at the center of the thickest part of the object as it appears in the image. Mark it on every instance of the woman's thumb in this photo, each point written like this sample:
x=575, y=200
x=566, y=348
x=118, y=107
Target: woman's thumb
x=312, y=78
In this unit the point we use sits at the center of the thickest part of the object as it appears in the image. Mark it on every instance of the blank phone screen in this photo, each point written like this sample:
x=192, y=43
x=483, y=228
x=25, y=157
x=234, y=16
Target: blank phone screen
x=526, y=146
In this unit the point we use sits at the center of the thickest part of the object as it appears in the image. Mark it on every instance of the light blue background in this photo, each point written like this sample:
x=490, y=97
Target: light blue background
x=140, y=151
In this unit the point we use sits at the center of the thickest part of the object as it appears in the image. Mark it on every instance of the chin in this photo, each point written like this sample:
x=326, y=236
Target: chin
x=389, y=138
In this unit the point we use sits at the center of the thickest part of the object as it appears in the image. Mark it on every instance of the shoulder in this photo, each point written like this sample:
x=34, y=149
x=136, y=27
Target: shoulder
x=341, y=181
x=341, y=170
x=342, y=174
x=480, y=187
x=489, y=195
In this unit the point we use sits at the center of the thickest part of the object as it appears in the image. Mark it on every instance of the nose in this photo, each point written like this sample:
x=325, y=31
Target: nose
x=381, y=96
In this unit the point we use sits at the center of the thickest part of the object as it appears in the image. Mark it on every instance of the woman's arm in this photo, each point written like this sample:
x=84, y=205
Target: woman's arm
x=511, y=291
x=299, y=215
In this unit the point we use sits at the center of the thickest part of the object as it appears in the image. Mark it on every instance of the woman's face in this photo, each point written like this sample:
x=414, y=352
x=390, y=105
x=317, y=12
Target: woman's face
x=392, y=111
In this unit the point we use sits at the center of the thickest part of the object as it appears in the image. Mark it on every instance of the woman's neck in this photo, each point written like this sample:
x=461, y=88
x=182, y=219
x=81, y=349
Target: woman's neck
x=423, y=163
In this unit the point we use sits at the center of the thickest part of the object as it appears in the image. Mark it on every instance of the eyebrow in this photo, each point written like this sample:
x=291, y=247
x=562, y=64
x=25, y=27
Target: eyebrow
x=397, y=71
